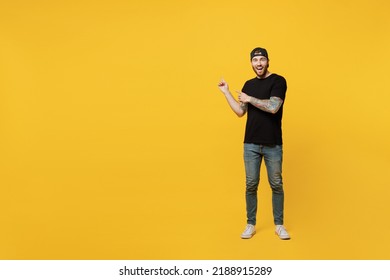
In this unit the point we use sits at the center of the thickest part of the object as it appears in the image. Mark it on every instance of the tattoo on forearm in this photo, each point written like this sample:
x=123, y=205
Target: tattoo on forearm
x=271, y=105
x=244, y=106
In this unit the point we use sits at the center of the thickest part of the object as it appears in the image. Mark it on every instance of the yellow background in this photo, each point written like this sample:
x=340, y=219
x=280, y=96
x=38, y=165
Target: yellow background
x=115, y=142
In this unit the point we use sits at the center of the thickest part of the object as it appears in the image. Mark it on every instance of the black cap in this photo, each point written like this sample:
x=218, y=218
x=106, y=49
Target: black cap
x=259, y=51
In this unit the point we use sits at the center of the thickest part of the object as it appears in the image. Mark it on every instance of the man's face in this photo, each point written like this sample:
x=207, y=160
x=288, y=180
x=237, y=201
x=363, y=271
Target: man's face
x=260, y=65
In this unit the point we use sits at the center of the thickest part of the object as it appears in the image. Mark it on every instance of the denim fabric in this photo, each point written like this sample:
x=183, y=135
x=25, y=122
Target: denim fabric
x=273, y=157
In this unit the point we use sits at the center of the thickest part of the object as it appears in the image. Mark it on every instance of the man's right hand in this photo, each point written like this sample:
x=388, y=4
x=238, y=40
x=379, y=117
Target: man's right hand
x=223, y=86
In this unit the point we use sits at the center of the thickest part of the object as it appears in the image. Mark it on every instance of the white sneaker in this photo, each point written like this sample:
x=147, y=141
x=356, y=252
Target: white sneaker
x=282, y=232
x=248, y=232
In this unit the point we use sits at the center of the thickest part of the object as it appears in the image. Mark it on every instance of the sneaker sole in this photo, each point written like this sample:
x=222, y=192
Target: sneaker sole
x=248, y=236
x=282, y=238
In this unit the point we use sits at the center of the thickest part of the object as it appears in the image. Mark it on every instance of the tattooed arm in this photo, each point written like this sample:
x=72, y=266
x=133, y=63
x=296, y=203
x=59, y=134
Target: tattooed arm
x=271, y=105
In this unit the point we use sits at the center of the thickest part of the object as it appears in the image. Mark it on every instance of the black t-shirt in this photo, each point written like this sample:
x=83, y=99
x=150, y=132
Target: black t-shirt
x=264, y=128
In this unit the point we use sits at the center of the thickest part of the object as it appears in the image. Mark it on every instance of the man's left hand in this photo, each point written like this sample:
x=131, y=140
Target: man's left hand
x=243, y=97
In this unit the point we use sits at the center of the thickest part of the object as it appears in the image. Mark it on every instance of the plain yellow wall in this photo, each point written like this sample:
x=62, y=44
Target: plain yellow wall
x=115, y=142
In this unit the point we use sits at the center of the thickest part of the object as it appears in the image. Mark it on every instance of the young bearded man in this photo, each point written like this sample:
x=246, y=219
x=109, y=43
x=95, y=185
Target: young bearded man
x=262, y=99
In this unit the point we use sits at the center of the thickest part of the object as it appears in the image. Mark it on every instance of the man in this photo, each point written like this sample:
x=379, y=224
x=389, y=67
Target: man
x=262, y=98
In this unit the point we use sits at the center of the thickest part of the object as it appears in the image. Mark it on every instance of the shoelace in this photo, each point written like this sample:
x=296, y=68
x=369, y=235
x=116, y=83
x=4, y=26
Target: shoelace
x=248, y=228
x=281, y=231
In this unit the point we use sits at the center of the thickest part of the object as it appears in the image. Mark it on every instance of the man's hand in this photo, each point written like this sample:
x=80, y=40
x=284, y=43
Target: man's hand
x=238, y=107
x=243, y=97
x=223, y=86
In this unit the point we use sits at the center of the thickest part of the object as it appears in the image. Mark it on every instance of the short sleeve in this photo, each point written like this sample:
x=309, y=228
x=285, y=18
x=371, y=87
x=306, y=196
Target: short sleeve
x=245, y=87
x=280, y=87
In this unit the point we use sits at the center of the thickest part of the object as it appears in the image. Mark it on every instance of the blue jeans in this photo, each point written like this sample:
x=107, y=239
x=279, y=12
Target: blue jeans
x=273, y=156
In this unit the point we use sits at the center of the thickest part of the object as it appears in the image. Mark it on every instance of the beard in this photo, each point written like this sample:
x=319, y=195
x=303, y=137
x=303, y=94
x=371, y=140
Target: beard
x=261, y=71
